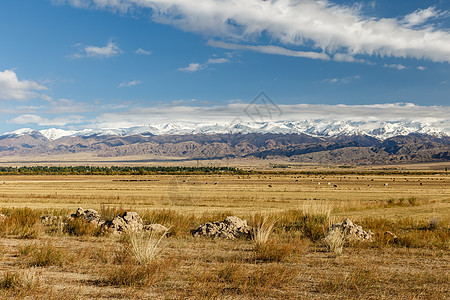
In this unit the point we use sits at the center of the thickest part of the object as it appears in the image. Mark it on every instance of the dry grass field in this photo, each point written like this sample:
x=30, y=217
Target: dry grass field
x=45, y=262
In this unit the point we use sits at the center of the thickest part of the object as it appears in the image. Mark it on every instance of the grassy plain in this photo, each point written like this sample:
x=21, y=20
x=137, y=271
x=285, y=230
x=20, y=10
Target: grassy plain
x=295, y=264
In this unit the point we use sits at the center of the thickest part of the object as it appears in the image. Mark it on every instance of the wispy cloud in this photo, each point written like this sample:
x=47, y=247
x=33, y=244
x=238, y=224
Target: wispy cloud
x=342, y=80
x=143, y=52
x=396, y=66
x=11, y=88
x=194, y=67
x=321, y=25
x=421, y=68
x=421, y=16
x=129, y=83
x=111, y=49
x=269, y=49
x=42, y=121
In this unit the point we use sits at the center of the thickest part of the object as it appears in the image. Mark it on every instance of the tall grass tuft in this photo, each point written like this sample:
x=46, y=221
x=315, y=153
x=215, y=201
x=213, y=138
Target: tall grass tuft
x=267, y=249
x=145, y=248
x=262, y=232
x=334, y=241
x=21, y=222
x=138, y=261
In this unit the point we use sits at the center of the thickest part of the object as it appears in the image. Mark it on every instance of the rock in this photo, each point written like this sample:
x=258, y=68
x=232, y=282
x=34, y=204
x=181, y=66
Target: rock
x=232, y=227
x=156, y=228
x=351, y=231
x=89, y=215
x=129, y=221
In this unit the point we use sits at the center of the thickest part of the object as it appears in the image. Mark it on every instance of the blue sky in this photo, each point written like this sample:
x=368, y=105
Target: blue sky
x=76, y=64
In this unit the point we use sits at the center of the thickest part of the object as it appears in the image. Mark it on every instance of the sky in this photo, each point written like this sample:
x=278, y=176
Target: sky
x=75, y=64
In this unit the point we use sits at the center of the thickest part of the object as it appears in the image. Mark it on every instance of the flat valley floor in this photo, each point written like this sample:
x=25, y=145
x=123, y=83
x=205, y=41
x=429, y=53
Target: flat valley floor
x=416, y=208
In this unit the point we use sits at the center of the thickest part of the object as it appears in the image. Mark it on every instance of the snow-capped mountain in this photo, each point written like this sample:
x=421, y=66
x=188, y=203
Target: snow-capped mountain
x=317, y=128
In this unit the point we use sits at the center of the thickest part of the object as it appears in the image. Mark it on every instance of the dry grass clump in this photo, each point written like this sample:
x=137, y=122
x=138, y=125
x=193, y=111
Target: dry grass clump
x=21, y=222
x=19, y=284
x=334, y=241
x=410, y=233
x=356, y=283
x=133, y=275
x=411, y=201
x=44, y=255
x=268, y=249
x=81, y=227
x=179, y=224
x=138, y=262
x=145, y=247
x=233, y=280
x=311, y=222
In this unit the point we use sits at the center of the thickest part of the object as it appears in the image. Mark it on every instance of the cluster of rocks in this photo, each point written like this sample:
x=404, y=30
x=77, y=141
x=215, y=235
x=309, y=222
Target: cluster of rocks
x=128, y=221
x=351, y=231
x=230, y=228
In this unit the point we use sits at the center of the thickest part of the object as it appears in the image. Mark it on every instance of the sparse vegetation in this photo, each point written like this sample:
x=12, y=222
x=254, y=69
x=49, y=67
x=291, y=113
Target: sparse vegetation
x=288, y=257
x=44, y=255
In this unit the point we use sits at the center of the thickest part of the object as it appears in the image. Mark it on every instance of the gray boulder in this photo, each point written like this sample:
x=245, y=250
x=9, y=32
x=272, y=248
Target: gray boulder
x=231, y=228
x=90, y=215
x=129, y=221
x=351, y=231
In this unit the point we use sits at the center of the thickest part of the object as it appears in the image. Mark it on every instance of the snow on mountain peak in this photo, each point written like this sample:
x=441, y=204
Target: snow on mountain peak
x=319, y=127
x=54, y=133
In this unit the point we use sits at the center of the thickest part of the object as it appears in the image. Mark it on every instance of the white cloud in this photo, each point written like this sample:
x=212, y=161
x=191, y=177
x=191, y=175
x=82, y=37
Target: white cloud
x=60, y=121
x=421, y=68
x=319, y=24
x=11, y=88
x=421, y=16
x=194, y=67
x=396, y=66
x=111, y=49
x=129, y=83
x=143, y=52
x=343, y=80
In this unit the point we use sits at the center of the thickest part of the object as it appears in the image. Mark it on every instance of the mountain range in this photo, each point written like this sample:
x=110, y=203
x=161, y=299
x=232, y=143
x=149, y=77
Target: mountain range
x=312, y=141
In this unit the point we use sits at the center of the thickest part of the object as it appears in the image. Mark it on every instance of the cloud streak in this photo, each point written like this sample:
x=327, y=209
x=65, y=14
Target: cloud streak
x=41, y=121
x=194, y=67
x=126, y=84
x=320, y=25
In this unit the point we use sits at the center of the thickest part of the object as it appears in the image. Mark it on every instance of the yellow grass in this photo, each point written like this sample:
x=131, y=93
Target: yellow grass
x=295, y=262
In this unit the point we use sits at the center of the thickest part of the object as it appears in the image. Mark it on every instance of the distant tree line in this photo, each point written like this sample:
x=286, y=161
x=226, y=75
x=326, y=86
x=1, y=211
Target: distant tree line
x=113, y=170
x=175, y=170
